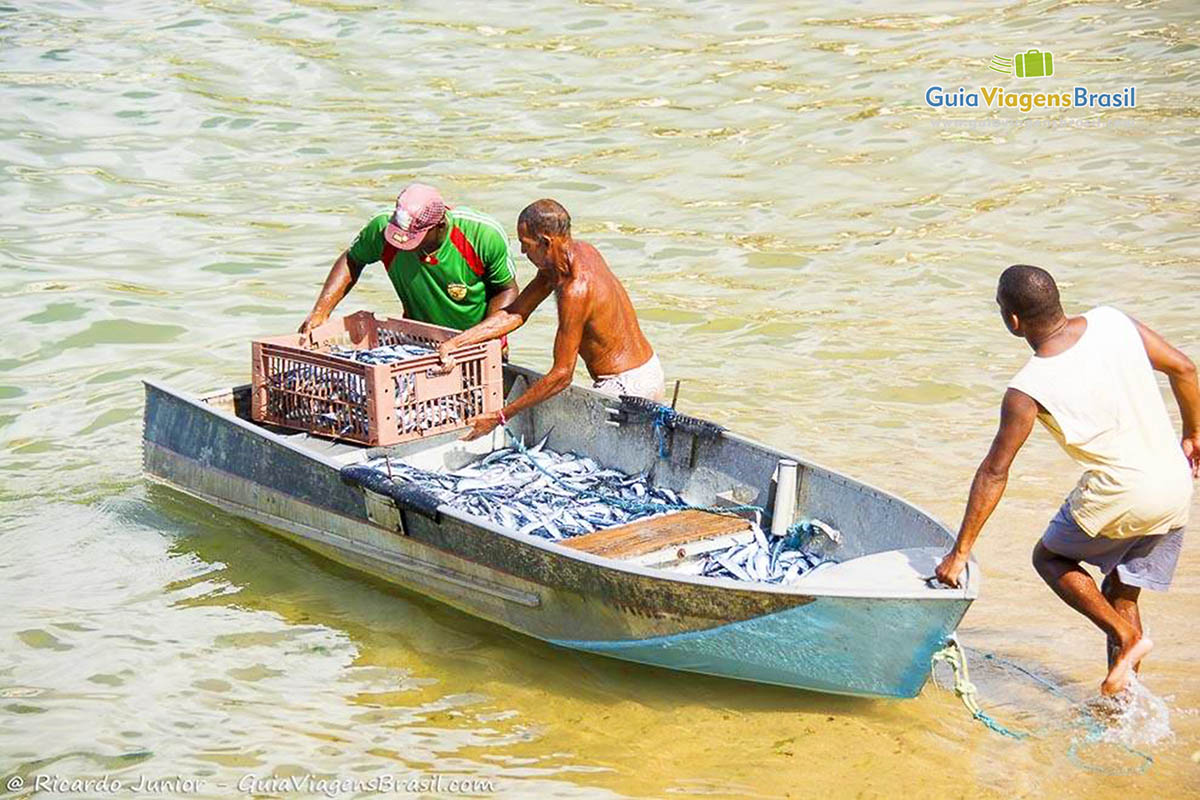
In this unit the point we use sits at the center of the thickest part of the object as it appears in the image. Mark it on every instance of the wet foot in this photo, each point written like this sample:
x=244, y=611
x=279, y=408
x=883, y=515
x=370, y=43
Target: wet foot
x=1108, y=709
x=1118, y=675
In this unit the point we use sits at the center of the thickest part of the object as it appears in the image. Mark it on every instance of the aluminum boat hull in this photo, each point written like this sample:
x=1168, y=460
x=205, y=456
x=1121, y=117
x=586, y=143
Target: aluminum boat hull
x=858, y=637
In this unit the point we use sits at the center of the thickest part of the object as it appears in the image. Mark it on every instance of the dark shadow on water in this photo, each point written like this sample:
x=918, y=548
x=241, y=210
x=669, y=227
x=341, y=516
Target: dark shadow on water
x=271, y=573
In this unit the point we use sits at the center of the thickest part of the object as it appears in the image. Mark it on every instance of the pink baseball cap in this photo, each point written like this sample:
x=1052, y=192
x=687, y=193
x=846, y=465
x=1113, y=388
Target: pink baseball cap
x=418, y=208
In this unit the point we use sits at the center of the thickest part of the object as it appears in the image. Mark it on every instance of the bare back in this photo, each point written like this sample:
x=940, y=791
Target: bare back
x=612, y=341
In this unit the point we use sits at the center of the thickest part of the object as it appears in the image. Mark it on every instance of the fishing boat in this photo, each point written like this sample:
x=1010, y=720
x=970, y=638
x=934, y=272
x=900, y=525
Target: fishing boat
x=865, y=625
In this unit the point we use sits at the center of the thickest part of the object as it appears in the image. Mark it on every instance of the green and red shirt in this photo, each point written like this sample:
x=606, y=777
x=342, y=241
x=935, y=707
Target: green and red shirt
x=451, y=287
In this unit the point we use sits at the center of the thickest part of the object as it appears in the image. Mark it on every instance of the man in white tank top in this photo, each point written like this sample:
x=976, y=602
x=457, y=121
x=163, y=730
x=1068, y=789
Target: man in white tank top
x=1090, y=383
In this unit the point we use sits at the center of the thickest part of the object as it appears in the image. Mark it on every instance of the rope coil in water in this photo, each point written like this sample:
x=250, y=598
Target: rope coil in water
x=954, y=655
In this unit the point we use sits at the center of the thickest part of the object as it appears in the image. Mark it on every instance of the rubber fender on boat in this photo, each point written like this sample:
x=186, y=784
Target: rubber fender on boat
x=404, y=495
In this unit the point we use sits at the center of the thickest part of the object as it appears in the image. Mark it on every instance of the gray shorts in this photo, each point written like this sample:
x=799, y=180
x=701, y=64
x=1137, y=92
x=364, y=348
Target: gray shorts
x=1145, y=561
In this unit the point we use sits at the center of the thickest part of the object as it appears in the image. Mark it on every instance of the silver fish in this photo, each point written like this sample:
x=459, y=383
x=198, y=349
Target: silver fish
x=769, y=559
x=507, y=488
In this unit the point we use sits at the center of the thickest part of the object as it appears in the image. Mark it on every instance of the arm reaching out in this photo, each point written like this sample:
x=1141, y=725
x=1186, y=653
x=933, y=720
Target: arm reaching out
x=1017, y=413
x=502, y=298
x=498, y=323
x=341, y=279
x=573, y=312
x=1182, y=373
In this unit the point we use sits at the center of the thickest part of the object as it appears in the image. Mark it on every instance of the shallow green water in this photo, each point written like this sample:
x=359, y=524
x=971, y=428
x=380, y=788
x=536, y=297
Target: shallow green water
x=811, y=251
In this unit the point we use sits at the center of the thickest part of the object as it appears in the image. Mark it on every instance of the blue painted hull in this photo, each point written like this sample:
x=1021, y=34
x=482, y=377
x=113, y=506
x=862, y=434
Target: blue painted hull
x=844, y=645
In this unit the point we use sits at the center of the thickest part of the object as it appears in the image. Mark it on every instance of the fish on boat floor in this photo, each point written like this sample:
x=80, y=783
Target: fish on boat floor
x=573, y=500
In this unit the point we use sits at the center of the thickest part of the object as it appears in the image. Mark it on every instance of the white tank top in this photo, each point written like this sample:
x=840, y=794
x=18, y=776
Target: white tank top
x=1104, y=407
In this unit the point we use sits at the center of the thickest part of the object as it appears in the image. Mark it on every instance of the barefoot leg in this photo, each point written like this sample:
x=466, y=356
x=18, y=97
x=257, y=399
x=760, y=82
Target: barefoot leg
x=1077, y=589
x=1124, y=600
x=1118, y=676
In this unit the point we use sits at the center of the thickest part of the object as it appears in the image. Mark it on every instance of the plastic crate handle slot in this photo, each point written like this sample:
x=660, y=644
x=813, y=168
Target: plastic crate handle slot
x=431, y=385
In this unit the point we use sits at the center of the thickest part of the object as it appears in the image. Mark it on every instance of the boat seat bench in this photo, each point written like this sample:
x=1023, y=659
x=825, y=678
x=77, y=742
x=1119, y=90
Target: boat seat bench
x=647, y=535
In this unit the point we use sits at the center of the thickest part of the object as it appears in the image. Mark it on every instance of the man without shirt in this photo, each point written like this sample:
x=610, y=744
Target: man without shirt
x=596, y=320
x=1090, y=383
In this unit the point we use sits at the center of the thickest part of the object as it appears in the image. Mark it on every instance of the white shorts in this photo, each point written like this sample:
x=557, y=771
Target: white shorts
x=645, y=381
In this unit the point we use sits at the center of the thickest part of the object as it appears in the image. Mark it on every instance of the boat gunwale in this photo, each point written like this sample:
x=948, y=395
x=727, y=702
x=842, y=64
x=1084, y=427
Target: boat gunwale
x=968, y=592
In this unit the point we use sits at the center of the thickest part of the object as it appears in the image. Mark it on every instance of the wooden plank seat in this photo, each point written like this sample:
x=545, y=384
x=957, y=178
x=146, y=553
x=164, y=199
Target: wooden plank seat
x=656, y=533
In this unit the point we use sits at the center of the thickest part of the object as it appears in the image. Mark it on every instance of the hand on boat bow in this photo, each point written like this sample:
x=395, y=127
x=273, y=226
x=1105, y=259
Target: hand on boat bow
x=951, y=568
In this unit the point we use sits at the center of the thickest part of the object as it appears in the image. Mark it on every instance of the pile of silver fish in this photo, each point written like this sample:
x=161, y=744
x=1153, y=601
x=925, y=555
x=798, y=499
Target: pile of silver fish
x=507, y=488
x=346, y=411
x=412, y=416
x=567, y=495
x=308, y=393
x=384, y=354
x=771, y=559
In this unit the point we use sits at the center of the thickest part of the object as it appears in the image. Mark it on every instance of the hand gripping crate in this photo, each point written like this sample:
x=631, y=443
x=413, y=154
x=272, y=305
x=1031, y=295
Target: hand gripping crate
x=298, y=384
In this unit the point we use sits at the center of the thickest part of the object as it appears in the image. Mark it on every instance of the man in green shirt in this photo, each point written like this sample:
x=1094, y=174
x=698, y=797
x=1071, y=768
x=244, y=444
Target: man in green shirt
x=449, y=266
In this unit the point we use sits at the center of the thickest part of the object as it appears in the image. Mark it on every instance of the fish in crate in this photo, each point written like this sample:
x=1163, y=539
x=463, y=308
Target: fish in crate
x=372, y=381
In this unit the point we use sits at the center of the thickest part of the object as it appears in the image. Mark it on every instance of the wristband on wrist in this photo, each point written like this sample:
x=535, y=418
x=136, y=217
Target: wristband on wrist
x=503, y=419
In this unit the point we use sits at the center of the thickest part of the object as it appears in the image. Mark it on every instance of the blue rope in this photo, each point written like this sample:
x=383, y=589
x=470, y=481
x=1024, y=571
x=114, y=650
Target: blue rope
x=991, y=722
x=1094, y=728
x=664, y=417
x=955, y=655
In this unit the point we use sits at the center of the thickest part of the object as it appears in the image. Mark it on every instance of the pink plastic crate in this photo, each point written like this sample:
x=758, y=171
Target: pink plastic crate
x=298, y=384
